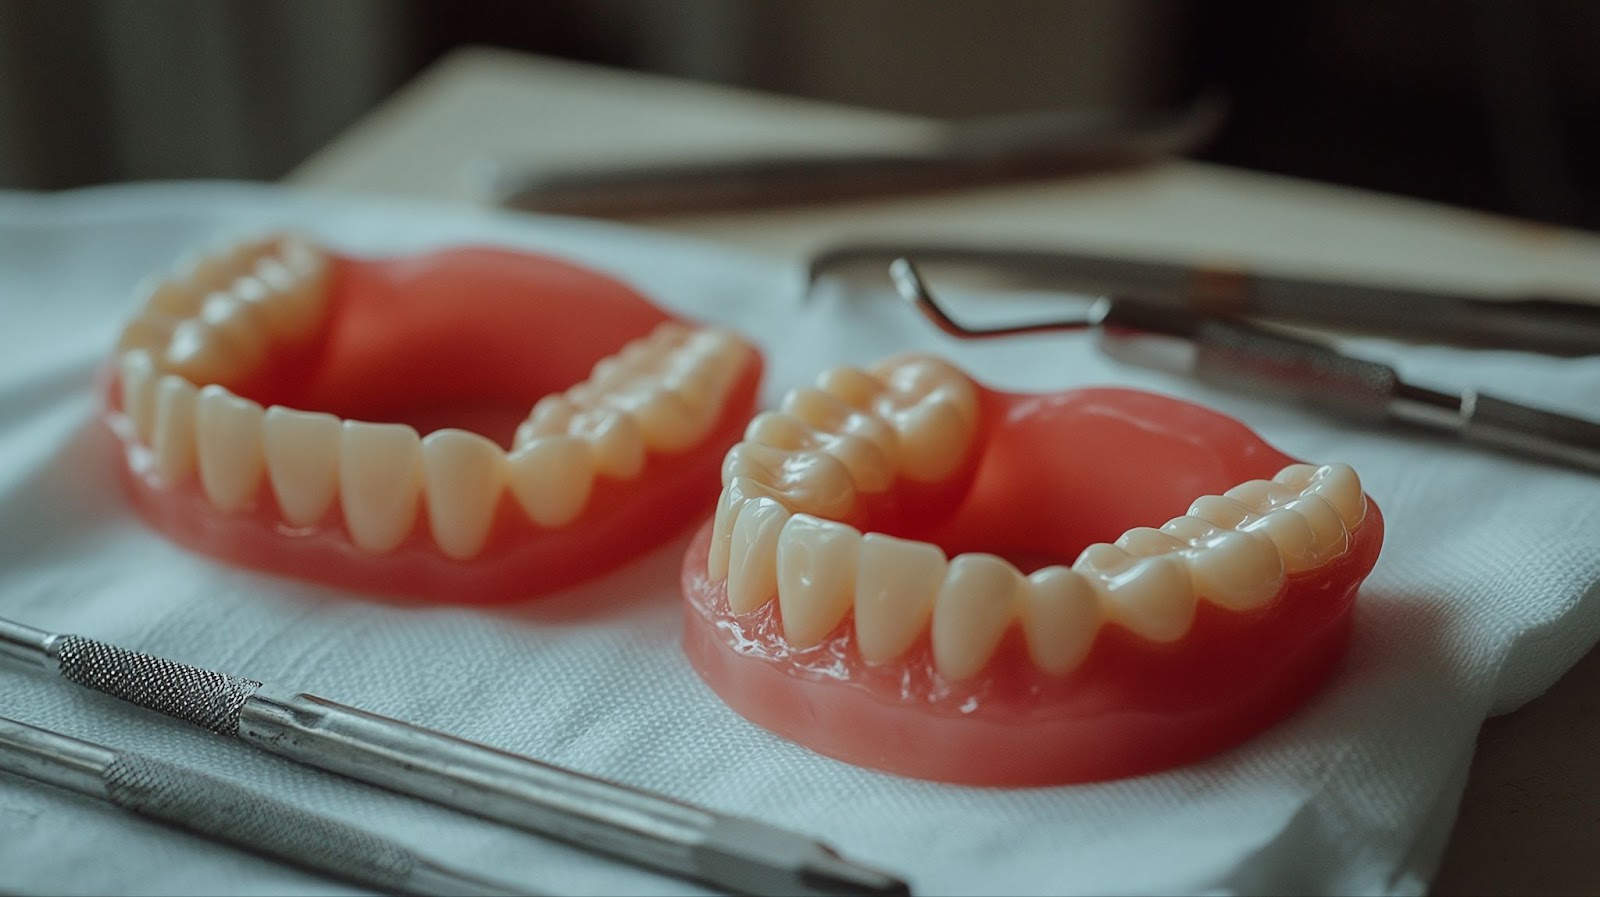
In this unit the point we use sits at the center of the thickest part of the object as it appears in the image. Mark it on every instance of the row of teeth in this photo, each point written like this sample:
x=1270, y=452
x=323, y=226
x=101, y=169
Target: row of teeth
x=661, y=393
x=778, y=531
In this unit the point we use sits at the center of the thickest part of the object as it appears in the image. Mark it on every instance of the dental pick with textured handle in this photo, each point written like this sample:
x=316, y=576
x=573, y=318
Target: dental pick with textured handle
x=741, y=855
x=226, y=811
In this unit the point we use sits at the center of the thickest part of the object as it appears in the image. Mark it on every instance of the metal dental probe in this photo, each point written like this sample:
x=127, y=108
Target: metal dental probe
x=741, y=855
x=225, y=811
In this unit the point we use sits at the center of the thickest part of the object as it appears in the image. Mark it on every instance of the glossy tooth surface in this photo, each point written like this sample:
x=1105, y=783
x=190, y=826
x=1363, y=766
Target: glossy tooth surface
x=666, y=422
x=933, y=440
x=810, y=481
x=895, y=589
x=1292, y=535
x=1261, y=496
x=1224, y=513
x=173, y=437
x=198, y=352
x=1189, y=529
x=975, y=605
x=1060, y=618
x=864, y=443
x=463, y=477
x=291, y=304
x=817, y=563
x=1142, y=540
x=853, y=386
x=613, y=438
x=1151, y=596
x=752, y=554
x=229, y=441
x=1238, y=571
x=729, y=501
x=1337, y=484
x=380, y=482
x=551, y=478
x=550, y=416
x=239, y=327
x=301, y=449
x=138, y=375
x=1329, y=539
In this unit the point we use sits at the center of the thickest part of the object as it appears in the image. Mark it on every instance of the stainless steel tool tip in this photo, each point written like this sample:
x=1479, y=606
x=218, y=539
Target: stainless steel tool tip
x=828, y=873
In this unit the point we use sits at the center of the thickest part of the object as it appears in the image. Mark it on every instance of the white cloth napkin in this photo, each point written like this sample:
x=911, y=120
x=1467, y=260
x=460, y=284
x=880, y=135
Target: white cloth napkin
x=1486, y=592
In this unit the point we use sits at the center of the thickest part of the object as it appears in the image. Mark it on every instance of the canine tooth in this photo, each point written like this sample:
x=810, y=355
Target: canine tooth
x=733, y=496
x=1151, y=596
x=1189, y=529
x=615, y=440
x=551, y=478
x=164, y=297
x=1337, y=483
x=291, y=303
x=1329, y=538
x=463, y=476
x=1261, y=496
x=301, y=449
x=1292, y=535
x=150, y=332
x=380, y=481
x=138, y=375
x=1142, y=540
x=753, y=554
x=852, y=385
x=229, y=441
x=665, y=420
x=173, y=437
x=896, y=585
x=817, y=563
x=975, y=605
x=1060, y=618
x=1236, y=570
x=810, y=481
x=1224, y=513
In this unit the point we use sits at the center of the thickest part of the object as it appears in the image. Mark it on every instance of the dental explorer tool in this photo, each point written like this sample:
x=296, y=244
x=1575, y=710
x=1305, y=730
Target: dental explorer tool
x=226, y=811
x=741, y=855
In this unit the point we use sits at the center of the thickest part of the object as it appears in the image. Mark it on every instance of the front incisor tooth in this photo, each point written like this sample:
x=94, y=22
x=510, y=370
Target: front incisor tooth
x=615, y=440
x=551, y=478
x=817, y=562
x=1238, y=571
x=1060, y=618
x=380, y=482
x=302, y=456
x=230, y=447
x=895, y=589
x=1335, y=483
x=753, y=554
x=464, y=475
x=975, y=605
x=138, y=375
x=173, y=437
x=1151, y=596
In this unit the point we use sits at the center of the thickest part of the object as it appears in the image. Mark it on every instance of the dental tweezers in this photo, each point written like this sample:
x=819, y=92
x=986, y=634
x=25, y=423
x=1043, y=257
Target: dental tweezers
x=227, y=811
x=741, y=855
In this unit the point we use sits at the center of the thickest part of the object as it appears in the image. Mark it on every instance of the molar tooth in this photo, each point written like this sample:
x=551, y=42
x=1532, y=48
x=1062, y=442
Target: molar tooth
x=780, y=430
x=551, y=477
x=229, y=440
x=1236, y=570
x=173, y=437
x=753, y=554
x=817, y=565
x=1151, y=596
x=615, y=440
x=810, y=481
x=1338, y=484
x=934, y=438
x=975, y=605
x=463, y=476
x=301, y=449
x=895, y=590
x=1292, y=535
x=138, y=375
x=1189, y=529
x=1261, y=496
x=1060, y=618
x=1142, y=541
x=1225, y=513
x=863, y=442
x=665, y=420
x=852, y=385
x=1327, y=528
x=380, y=481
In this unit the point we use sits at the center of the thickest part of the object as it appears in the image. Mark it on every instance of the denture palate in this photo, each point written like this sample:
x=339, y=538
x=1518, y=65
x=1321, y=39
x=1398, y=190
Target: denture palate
x=213, y=321
x=792, y=489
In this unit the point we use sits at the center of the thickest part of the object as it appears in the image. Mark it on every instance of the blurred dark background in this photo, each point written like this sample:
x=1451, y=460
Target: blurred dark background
x=1491, y=104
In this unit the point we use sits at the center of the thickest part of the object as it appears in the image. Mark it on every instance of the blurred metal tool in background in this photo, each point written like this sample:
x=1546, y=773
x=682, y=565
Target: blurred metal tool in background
x=963, y=154
x=226, y=811
x=1232, y=353
x=741, y=855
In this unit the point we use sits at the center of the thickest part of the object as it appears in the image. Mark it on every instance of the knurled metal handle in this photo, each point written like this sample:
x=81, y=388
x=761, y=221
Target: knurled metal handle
x=209, y=699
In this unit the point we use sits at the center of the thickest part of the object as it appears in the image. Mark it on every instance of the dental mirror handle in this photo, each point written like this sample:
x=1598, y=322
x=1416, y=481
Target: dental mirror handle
x=1236, y=355
x=225, y=811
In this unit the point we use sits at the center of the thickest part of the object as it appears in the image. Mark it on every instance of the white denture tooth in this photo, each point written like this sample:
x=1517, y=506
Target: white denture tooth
x=1224, y=513
x=301, y=449
x=1295, y=476
x=292, y=304
x=240, y=327
x=1103, y=556
x=303, y=257
x=896, y=586
x=665, y=420
x=817, y=564
x=870, y=469
x=976, y=603
x=934, y=438
x=698, y=387
x=1329, y=539
x=829, y=413
x=1261, y=496
x=1151, y=596
x=463, y=475
x=1292, y=535
x=198, y=352
x=852, y=385
x=780, y=430
x=137, y=373
x=924, y=378
x=149, y=332
x=1236, y=570
x=552, y=477
x=229, y=442
x=613, y=438
x=380, y=483
x=1189, y=529
x=1060, y=616
x=172, y=439
x=550, y=416
x=810, y=481
x=1143, y=540
x=1339, y=485
x=669, y=334
x=729, y=501
x=753, y=554
x=167, y=298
